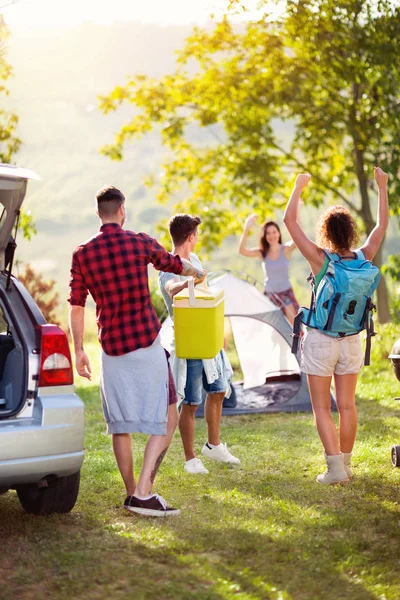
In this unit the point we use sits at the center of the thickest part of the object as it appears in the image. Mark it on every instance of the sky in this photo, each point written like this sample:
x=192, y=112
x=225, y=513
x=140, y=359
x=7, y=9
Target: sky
x=56, y=13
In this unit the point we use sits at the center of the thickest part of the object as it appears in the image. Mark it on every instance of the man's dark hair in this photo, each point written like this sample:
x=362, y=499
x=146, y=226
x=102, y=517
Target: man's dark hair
x=108, y=199
x=181, y=227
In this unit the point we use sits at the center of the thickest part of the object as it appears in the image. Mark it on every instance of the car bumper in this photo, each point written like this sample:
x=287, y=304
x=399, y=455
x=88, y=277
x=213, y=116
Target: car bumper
x=32, y=470
x=48, y=443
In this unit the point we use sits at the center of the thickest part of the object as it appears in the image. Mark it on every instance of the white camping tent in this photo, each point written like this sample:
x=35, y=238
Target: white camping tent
x=272, y=380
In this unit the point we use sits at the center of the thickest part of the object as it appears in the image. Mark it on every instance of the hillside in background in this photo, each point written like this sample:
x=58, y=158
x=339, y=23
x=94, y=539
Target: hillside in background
x=54, y=91
x=57, y=81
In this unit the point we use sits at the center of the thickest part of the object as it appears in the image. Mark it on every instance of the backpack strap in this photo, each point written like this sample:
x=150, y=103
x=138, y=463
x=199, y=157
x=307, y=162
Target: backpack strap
x=370, y=330
x=330, y=256
x=311, y=281
x=354, y=257
x=299, y=317
x=360, y=254
x=296, y=331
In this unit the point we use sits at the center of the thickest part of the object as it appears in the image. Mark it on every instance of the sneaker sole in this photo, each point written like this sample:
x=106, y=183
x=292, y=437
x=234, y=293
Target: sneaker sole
x=196, y=472
x=146, y=512
x=334, y=482
x=226, y=462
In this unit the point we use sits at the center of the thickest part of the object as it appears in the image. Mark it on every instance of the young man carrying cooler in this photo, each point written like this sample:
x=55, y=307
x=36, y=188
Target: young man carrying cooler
x=137, y=388
x=192, y=376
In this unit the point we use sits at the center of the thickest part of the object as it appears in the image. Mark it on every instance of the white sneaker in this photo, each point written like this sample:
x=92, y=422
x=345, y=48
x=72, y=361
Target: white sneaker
x=219, y=452
x=194, y=466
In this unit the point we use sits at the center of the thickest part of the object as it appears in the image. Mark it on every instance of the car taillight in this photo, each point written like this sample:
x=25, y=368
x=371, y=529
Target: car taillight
x=55, y=357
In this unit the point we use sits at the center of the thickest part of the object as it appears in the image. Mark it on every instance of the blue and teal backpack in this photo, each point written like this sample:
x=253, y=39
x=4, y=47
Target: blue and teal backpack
x=342, y=304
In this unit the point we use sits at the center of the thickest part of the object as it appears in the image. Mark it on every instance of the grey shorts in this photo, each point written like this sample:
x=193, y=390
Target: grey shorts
x=324, y=355
x=135, y=391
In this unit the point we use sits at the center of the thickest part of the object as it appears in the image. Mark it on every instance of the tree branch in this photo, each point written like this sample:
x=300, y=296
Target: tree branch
x=318, y=178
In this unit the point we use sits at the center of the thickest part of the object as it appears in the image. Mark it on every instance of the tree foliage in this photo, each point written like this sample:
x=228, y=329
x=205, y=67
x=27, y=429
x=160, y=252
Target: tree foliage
x=327, y=69
x=392, y=267
x=9, y=141
x=27, y=224
x=392, y=270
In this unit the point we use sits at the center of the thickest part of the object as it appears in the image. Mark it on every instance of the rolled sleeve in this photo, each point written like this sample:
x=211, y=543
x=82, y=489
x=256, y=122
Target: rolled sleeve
x=163, y=260
x=77, y=286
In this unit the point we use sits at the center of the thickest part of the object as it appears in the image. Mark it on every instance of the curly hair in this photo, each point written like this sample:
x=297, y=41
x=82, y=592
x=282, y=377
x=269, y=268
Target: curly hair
x=337, y=230
x=264, y=245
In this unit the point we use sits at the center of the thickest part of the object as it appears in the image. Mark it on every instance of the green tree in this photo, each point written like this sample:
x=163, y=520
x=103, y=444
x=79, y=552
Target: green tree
x=9, y=142
x=392, y=270
x=329, y=69
x=392, y=267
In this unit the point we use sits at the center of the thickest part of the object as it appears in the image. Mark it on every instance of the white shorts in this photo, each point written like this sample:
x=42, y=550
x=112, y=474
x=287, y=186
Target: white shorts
x=324, y=355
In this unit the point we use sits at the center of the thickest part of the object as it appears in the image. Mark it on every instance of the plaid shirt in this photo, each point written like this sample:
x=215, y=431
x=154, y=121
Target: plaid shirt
x=112, y=266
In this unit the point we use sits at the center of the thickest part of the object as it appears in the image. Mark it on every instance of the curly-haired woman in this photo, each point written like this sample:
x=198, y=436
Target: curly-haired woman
x=341, y=357
x=275, y=261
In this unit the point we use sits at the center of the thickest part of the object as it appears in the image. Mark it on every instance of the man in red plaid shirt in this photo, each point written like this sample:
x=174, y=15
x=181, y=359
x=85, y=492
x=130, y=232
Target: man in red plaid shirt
x=137, y=388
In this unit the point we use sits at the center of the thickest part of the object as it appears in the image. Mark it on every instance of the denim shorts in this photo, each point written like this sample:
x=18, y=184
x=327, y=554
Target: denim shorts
x=196, y=381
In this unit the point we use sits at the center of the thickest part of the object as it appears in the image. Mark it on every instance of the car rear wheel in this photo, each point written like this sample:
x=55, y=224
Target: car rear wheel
x=396, y=456
x=56, y=496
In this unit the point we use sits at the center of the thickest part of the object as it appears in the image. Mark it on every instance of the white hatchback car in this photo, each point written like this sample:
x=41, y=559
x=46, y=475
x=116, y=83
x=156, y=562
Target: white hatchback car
x=41, y=418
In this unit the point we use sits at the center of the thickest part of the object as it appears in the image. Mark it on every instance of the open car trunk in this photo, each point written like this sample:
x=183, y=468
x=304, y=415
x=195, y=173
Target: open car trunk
x=13, y=182
x=20, y=322
x=12, y=368
x=16, y=323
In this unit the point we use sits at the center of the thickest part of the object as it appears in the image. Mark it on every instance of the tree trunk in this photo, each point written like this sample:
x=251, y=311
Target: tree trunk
x=382, y=297
x=366, y=215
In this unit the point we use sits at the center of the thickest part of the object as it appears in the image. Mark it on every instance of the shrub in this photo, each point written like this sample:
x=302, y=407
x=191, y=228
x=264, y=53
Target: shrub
x=42, y=292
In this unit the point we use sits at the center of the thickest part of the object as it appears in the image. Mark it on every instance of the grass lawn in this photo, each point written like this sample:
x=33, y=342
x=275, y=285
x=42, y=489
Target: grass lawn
x=263, y=530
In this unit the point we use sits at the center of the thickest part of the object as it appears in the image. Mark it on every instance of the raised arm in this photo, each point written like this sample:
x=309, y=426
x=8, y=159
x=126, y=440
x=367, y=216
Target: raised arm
x=252, y=252
x=375, y=238
x=308, y=248
x=289, y=247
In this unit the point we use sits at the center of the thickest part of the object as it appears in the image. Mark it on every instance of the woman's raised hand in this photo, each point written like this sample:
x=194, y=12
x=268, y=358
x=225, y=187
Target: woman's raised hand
x=381, y=177
x=302, y=180
x=250, y=221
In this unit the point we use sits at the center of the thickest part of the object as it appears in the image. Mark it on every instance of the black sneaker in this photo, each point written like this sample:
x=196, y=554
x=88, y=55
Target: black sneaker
x=155, y=506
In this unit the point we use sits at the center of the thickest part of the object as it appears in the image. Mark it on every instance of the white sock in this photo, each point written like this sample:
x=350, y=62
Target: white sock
x=144, y=497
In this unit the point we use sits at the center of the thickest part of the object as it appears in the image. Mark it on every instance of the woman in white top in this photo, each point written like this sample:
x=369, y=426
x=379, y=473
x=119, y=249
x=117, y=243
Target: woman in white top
x=275, y=261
